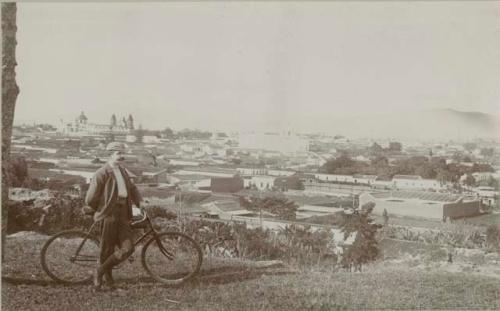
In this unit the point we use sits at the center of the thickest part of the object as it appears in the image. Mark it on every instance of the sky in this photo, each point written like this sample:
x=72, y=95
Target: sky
x=254, y=65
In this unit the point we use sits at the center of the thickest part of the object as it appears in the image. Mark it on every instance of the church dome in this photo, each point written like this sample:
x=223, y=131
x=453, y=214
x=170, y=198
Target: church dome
x=82, y=117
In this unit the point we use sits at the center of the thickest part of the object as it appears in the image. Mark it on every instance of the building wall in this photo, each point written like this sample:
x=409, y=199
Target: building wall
x=204, y=173
x=280, y=173
x=226, y=184
x=337, y=189
x=382, y=184
x=343, y=179
x=263, y=182
x=482, y=176
x=244, y=171
x=412, y=208
x=421, y=208
x=150, y=139
x=462, y=209
x=417, y=184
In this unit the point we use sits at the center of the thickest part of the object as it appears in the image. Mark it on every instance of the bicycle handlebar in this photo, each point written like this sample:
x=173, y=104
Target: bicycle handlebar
x=141, y=222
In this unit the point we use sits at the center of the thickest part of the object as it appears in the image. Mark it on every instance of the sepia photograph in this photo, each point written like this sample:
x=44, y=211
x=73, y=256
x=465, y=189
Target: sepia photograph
x=250, y=155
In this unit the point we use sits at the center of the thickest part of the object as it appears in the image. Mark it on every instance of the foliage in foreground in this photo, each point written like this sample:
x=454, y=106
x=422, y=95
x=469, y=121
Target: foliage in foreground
x=299, y=244
x=365, y=246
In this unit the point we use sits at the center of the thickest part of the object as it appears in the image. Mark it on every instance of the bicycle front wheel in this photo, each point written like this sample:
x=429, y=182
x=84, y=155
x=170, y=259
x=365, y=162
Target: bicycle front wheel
x=172, y=257
x=70, y=257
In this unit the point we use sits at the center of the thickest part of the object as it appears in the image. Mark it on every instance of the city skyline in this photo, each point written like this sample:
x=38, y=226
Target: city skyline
x=275, y=66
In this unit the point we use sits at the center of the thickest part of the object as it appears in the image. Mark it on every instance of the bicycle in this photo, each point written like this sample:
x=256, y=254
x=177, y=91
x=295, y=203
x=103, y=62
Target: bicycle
x=171, y=257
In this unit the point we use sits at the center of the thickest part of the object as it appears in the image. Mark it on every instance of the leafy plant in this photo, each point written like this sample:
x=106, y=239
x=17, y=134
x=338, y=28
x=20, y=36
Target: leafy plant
x=365, y=247
x=279, y=207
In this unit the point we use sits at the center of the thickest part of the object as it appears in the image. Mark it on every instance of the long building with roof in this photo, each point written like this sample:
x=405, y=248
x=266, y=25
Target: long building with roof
x=423, y=204
x=80, y=126
x=415, y=182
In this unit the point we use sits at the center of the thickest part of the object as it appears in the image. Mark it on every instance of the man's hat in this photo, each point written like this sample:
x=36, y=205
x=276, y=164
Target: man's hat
x=115, y=146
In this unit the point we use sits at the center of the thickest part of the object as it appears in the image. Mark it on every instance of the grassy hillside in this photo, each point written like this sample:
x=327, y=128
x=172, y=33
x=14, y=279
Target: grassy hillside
x=239, y=285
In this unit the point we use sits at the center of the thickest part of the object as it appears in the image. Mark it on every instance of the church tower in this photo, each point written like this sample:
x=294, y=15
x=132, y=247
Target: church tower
x=82, y=119
x=130, y=122
x=113, y=121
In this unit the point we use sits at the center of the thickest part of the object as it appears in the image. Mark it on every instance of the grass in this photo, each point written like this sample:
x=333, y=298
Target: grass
x=484, y=220
x=239, y=285
x=355, y=291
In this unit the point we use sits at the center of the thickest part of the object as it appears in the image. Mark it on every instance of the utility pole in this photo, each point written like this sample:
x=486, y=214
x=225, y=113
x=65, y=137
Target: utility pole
x=260, y=208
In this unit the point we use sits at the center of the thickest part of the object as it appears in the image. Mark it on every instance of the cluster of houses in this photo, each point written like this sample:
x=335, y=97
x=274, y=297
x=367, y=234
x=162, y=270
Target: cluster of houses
x=218, y=166
x=403, y=195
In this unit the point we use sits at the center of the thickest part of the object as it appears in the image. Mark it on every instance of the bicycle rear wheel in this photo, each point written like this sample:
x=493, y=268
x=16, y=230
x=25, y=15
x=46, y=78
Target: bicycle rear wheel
x=172, y=257
x=70, y=257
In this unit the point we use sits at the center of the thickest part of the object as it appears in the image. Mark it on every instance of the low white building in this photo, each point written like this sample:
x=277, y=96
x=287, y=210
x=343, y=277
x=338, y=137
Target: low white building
x=488, y=195
x=414, y=182
x=208, y=171
x=382, y=184
x=189, y=181
x=421, y=204
x=251, y=171
x=355, y=179
x=150, y=139
x=130, y=138
x=261, y=182
x=280, y=173
x=482, y=176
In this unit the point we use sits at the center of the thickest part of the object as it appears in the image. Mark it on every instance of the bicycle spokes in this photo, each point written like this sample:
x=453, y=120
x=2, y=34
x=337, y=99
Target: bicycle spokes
x=171, y=257
x=167, y=254
x=70, y=256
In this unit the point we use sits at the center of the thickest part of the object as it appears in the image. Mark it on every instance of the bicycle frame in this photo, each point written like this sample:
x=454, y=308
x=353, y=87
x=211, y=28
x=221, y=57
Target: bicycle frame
x=138, y=224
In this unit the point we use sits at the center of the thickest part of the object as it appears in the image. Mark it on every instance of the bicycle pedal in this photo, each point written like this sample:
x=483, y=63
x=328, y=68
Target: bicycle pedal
x=131, y=259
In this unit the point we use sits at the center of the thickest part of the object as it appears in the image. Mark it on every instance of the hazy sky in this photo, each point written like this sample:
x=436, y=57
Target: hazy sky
x=254, y=65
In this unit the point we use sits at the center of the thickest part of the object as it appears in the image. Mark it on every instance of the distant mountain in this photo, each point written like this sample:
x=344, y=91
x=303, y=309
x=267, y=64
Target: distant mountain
x=427, y=124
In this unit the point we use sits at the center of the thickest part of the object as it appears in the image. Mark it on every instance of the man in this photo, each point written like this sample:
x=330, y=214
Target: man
x=111, y=195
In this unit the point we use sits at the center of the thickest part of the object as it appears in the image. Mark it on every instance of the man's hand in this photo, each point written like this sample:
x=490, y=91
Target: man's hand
x=87, y=210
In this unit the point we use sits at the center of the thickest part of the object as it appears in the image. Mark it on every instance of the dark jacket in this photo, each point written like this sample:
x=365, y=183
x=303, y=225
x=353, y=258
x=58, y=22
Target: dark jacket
x=103, y=192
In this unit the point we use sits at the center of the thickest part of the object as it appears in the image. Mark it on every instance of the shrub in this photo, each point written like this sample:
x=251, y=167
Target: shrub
x=294, y=243
x=61, y=212
x=365, y=247
x=493, y=237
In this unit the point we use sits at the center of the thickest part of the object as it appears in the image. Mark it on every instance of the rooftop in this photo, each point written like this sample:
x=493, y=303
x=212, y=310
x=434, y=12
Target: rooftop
x=414, y=177
x=418, y=195
x=190, y=177
x=228, y=205
x=211, y=170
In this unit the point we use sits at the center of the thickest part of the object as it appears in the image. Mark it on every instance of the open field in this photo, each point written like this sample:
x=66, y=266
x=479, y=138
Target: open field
x=241, y=285
x=482, y=221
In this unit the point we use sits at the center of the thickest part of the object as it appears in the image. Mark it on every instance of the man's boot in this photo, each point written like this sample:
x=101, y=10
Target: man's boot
x=97, y=279
x=108, y=277
x=101, y=271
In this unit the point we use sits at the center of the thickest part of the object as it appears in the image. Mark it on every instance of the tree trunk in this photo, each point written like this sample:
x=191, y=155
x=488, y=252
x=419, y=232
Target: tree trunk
x=9, y=96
